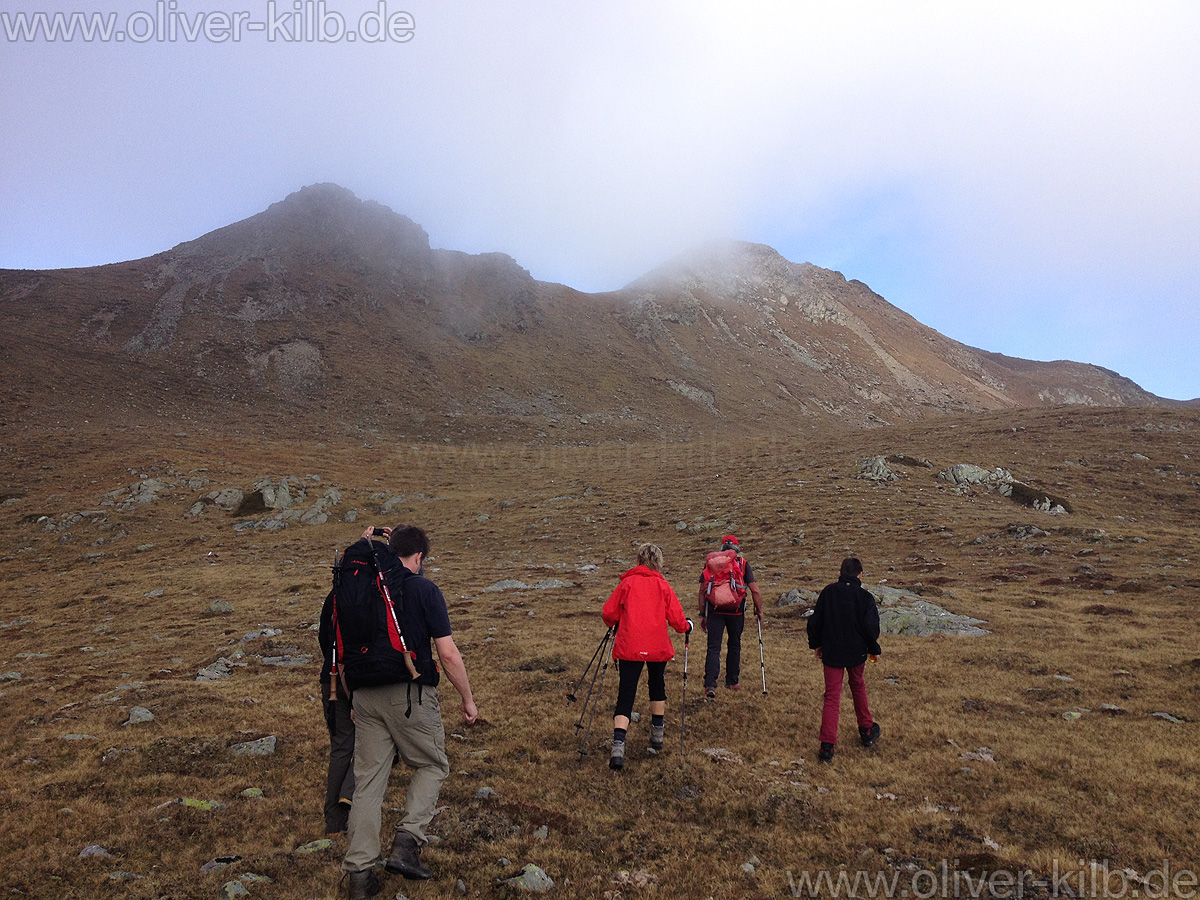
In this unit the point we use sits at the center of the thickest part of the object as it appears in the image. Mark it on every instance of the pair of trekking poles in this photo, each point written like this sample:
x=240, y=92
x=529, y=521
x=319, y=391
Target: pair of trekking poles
x=593, y=692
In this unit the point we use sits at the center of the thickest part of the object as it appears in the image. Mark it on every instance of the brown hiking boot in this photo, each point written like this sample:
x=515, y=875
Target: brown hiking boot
x=405, y=858
x=364, y=884
x=656, y=736
x=616, y=757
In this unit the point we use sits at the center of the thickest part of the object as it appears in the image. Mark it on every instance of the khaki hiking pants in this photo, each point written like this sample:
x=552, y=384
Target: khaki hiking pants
x=381, y=730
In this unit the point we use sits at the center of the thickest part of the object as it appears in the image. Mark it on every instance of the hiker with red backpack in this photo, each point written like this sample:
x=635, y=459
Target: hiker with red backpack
x=640, y=609
x=724, y=582
x=386, y=616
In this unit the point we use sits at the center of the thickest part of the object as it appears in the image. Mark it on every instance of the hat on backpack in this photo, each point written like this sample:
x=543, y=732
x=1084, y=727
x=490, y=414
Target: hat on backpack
x=729, y=539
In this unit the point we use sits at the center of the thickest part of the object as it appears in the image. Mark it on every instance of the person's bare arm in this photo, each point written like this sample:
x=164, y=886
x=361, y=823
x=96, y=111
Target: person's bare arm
x=757, y=595
x=456, y=670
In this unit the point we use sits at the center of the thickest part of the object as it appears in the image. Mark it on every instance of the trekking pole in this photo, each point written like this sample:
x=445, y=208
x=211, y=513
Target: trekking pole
x=761, y=659
x=595, y=699
x=571, y=698
x=687, y=638
x=591, y=686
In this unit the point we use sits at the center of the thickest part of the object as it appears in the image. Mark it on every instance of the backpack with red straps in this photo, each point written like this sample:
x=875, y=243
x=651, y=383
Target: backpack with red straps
x=724, y=581
x=369, y=648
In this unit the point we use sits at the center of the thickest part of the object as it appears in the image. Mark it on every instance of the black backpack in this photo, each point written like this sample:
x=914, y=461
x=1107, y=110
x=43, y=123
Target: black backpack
x=369, y=648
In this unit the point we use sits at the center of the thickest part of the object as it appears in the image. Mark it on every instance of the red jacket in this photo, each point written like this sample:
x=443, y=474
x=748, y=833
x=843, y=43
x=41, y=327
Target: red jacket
x=641, y=607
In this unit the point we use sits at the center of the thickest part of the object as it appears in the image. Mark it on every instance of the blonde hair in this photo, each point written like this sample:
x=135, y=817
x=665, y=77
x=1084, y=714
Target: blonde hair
x=651, y=556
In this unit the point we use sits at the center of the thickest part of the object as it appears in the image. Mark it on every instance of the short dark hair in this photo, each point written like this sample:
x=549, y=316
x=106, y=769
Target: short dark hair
x=407, y=540
x=850, y=565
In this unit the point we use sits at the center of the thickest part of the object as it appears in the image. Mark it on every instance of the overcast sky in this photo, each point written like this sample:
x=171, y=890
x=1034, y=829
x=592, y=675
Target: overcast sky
x=1023, y=177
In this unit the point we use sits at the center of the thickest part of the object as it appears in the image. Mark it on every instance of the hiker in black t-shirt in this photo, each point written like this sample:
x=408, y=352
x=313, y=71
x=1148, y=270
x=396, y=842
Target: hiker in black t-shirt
x=403, y=718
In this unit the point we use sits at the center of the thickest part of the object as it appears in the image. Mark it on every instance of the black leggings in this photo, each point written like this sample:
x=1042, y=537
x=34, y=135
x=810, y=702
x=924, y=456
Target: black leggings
x=630, y=673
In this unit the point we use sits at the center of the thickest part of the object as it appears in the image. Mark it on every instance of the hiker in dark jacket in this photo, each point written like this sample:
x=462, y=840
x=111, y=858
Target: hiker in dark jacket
x=335, y=700
x=641, y=607
x=843, y=632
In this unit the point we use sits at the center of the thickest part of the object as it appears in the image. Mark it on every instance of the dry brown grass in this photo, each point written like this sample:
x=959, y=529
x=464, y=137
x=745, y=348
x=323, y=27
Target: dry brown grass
x=1115, y=612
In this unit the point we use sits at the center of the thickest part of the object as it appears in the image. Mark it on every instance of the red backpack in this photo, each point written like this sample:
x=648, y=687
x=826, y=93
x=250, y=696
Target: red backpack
x=724, y=581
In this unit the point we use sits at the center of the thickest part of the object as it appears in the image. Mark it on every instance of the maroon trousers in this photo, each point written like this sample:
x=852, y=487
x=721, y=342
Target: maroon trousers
x=833, y=701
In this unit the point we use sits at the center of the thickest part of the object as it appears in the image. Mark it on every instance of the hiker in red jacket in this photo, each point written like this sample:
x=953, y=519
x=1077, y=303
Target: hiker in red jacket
x=640, y=609
x=724, y=582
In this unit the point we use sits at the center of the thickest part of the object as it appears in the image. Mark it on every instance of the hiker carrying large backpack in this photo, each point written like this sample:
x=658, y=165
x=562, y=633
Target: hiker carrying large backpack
x=395, y=713
x=724, y=582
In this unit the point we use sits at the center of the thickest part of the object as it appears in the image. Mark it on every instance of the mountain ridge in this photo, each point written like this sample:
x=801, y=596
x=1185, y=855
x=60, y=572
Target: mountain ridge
x=334, y=314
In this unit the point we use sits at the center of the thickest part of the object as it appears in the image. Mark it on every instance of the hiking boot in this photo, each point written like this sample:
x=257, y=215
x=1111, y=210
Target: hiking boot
x=405, y=858
x=616, y=759
x=734, y=687
x=656, y=737
x=869, y=735
x=364, y=884
x=825, y=754
x=710, y=693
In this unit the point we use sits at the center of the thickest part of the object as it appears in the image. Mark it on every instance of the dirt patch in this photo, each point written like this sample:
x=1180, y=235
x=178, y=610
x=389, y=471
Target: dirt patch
x=1100, y=609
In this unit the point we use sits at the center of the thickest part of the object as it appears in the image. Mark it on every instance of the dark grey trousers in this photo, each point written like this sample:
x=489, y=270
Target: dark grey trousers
x=718, y=623
x=339, y=783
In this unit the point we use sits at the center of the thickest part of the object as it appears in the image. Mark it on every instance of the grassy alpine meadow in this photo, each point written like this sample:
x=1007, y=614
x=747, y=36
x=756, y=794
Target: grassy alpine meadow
x=1055, y=754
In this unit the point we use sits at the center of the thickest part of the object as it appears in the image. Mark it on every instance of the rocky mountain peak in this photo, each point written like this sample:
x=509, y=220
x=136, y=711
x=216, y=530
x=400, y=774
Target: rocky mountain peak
x=715, y=265
x=318, y=223
x=739, y=271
